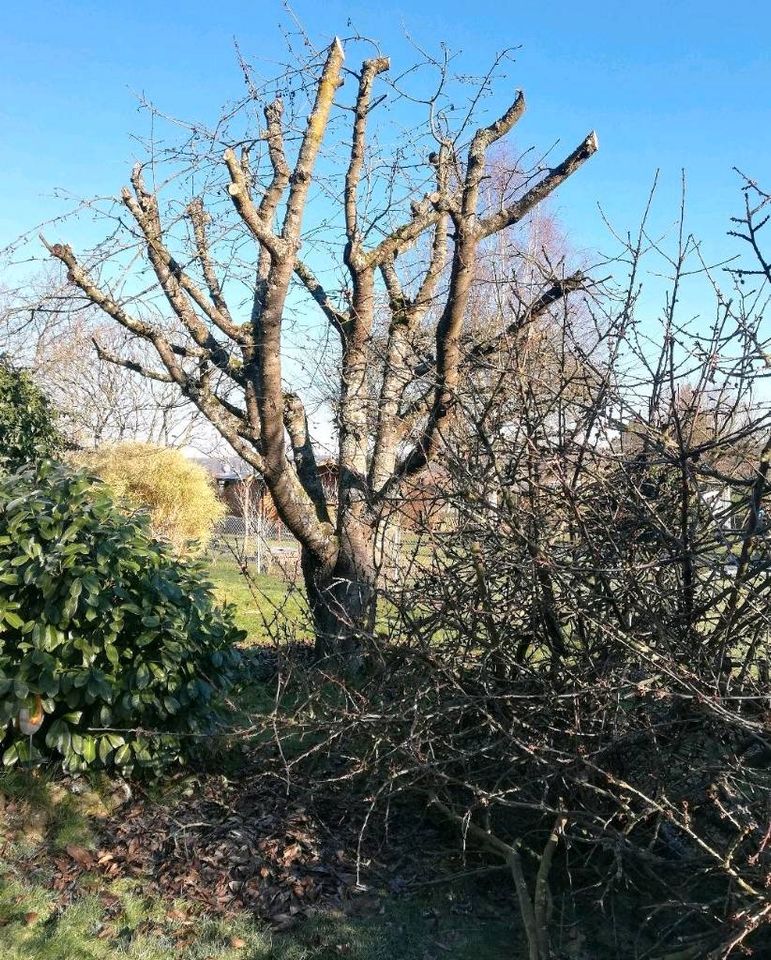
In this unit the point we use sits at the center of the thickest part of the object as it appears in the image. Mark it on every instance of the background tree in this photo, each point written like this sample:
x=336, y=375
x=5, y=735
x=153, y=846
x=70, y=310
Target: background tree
x=373, y=208
x=61, y=341
x=28, y=421
x=105, y=403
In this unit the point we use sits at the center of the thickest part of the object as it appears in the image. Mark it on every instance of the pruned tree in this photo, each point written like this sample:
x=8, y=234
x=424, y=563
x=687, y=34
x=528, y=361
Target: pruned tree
x=233, y=368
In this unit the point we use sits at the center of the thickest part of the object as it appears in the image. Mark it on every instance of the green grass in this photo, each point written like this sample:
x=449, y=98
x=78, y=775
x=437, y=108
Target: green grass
x=269, y=608
x=52, y=818
x=117, y=920
x=266, y=605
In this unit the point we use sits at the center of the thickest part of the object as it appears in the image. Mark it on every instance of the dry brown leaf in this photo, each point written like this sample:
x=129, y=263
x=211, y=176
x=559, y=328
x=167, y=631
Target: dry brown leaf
x=81, y=856
x=291, y=853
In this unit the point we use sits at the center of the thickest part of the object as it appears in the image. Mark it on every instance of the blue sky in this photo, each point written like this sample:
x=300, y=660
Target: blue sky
x=666, y=85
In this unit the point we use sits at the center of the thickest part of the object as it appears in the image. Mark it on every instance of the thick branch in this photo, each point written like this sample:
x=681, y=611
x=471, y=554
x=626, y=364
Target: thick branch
x=296, y=423
x=425, y=214
x=469, y=233
x=294, y=505
x=406, y=315
x=230, y=426
x=174, y=282
x=516, y=211
x=241, y=195
x=274, y=136
x=200, y=218
x=370, y=69
x=477, y=155
x=311, y=143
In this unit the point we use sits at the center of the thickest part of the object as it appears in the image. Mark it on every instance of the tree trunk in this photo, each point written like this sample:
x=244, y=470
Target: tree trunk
x=342, y=598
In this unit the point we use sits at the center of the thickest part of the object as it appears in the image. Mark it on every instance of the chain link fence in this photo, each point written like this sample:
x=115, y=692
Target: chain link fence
x=268, y=547
x=263, y=544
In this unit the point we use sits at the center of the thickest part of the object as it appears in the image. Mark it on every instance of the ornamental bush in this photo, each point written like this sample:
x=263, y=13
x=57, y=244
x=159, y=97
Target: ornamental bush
x=118, y=645
x=177, y=492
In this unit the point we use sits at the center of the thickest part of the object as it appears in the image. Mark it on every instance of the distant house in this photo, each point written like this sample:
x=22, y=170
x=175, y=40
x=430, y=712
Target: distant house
x=245, y=493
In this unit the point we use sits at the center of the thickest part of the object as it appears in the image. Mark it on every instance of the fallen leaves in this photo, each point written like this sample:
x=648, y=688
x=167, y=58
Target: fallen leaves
x=226, y=848
x=292, y=853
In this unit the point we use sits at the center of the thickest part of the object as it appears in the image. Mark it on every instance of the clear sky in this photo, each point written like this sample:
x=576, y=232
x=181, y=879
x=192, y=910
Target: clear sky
x=666, y=85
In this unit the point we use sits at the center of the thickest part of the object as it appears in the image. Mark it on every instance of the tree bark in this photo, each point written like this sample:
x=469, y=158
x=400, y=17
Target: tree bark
x=342, y=598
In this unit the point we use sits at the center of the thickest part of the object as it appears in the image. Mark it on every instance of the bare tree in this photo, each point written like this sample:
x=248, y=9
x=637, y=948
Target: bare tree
x=578, y=675
x=232, y=368
x=106, y=403
x=67, y=348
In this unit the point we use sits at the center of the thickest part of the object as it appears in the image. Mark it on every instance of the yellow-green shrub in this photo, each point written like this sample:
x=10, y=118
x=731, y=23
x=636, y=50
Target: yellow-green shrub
x=176, y=492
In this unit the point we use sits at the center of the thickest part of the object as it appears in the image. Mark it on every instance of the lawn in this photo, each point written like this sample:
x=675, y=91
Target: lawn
x=266, y=605
x=269, y=607
x=121, y=921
